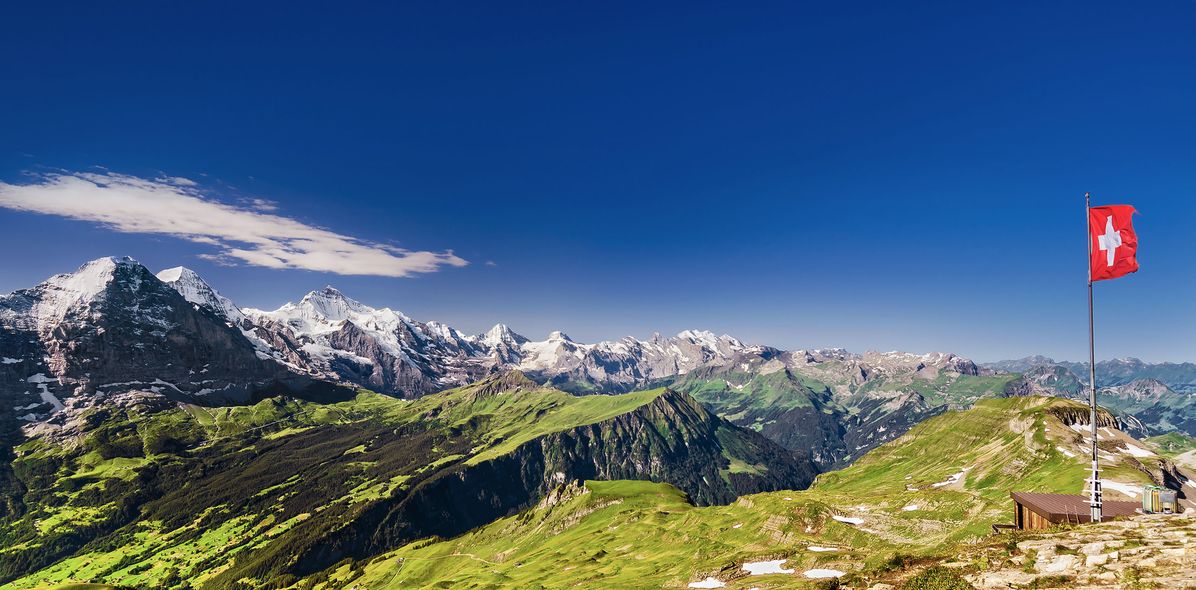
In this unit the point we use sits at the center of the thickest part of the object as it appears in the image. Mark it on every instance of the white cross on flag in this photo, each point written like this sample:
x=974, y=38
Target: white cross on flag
x=1113, y=244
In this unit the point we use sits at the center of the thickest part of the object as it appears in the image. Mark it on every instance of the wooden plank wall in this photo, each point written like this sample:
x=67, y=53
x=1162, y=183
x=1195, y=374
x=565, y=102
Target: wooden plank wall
x=1029, y=520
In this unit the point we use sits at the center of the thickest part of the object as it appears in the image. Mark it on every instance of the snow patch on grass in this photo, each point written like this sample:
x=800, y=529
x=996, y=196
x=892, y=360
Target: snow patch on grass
x=817, y=574
x=1133, y=490
x=708, y=583
x=848, y=519
x=759, y=568
x=1135, y=451
x=952, y=479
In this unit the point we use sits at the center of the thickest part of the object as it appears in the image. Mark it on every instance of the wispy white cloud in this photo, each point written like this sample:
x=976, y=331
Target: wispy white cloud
x=178, y=207
x=177, y=181
x=263, y=205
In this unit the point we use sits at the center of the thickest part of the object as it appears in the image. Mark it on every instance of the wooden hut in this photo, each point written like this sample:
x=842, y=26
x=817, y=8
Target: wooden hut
x=1033, y=510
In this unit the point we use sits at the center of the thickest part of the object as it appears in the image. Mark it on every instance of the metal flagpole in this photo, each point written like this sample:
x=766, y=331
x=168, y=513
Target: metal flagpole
x=1095, y=482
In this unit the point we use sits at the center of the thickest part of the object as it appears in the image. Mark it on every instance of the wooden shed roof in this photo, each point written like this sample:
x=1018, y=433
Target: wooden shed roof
x=1071, y=508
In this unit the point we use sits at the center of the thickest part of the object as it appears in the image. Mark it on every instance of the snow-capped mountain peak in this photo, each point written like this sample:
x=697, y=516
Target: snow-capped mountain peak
x=557, y=354
x=708, y=339
x=60, y=294
x=501, y=334
x=325, y=310
x=442, y=331
x=698, y=335
x=112, y=324
x=195, y=290
x=557, y=335
x=332, y=305
x=379, y=348
x=175, y=274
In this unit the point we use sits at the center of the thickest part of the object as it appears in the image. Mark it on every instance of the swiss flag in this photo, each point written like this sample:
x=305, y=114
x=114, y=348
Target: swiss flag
x=1112, y=243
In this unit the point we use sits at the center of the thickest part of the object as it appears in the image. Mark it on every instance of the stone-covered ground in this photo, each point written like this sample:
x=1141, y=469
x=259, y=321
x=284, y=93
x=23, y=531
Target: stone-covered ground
x=1148, y=551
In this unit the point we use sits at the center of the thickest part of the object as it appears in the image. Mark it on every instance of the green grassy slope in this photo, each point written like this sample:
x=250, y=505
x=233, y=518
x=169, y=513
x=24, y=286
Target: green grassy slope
x=735, y=393
x=1000, y=445
x=620, y=535
x=635, y=534
x=1172, y=444
x=177, y=493
x=155, y=494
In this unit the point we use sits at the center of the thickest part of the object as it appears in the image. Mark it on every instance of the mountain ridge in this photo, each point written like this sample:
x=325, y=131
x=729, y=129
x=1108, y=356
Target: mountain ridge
x=1179, y=376
x=853, y=401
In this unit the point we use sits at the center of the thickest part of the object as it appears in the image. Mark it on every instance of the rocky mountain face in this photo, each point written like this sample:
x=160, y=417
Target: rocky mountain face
x=112, y=326
x=1053, y=379
x=331, y=335
x=1153, y=404
x=1018, y=365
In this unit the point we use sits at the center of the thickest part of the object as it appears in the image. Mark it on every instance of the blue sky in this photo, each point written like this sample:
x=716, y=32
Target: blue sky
x=863, y=175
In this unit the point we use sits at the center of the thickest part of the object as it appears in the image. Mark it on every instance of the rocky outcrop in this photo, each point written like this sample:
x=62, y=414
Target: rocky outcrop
x=1149, y=551
x=1071, y=415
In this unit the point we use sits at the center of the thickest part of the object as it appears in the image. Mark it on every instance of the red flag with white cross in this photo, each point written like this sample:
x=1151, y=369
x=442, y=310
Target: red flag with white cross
x=1112, y=242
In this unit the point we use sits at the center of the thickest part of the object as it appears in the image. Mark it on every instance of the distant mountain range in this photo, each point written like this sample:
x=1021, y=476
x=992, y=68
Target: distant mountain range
x=113, y=326
x=1179, y=377
x=328, y=334
x=1129, y=387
